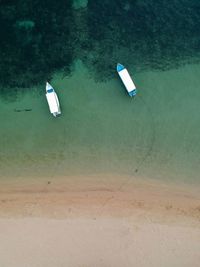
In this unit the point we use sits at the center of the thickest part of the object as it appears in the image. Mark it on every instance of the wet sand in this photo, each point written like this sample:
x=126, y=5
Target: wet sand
x=103, y=221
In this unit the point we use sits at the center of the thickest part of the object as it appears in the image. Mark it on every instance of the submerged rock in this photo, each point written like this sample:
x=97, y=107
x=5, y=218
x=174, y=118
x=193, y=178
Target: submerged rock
x=127, y=7
x=80, y=4
x=26, y=24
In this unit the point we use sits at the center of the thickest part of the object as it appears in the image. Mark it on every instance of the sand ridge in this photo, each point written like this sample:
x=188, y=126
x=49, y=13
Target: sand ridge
x=96, y=196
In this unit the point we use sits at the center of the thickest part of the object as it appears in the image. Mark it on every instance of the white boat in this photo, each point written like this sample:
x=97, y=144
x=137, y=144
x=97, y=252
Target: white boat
x=52, y=100
x=126, y=79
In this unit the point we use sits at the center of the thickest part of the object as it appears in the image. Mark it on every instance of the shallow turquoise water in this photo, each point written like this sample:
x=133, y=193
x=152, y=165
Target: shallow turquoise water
x=103, y=130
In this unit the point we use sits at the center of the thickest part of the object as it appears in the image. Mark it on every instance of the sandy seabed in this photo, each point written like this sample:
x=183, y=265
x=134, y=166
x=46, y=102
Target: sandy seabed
x=99, y=221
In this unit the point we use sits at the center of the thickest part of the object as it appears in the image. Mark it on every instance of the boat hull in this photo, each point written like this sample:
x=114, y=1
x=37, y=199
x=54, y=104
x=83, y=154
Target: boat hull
x=126, y=79
x=52, y=100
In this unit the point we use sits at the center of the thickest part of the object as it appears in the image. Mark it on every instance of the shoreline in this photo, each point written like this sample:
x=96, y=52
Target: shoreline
x=99, y=195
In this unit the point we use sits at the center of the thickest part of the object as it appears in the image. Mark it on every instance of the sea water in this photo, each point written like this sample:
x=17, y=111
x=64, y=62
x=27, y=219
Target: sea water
x=101, y=129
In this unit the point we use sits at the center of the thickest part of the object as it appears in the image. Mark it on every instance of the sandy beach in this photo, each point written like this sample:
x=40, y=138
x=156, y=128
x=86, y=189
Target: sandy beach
x=103, y=221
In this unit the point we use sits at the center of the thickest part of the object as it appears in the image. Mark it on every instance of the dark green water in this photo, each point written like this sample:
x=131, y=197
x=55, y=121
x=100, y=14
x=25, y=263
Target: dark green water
x=44, y=36
x=101, y=129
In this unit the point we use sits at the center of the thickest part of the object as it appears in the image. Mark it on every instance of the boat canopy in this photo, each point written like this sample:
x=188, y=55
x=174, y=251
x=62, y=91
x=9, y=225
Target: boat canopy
x=52, y=101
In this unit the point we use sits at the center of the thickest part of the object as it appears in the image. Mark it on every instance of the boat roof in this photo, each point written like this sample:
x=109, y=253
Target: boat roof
x=52, y=101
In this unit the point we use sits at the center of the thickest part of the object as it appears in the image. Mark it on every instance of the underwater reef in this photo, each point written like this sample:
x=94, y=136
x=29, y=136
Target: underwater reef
x=41, y=37
x=35, y=40
x=148, y=34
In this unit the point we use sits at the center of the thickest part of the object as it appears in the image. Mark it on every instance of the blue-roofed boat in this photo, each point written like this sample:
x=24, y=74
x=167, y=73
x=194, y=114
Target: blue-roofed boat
x=126, y=79
x=52, y=100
